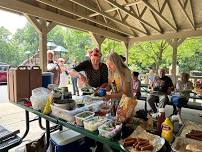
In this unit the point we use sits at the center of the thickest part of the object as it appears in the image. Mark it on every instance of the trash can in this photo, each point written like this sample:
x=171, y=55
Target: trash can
x=69, y=140
x=47, y=78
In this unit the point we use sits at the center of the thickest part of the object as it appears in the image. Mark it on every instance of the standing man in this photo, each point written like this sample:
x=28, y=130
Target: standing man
x=96, y=72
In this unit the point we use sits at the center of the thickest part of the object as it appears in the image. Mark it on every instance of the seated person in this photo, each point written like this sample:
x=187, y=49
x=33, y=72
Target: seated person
x=161, y=89
x=181, y=96
x=120, y=76
x=96, y=71
x=136, y=85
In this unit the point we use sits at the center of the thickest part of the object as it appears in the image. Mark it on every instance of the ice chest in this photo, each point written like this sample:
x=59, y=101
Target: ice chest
x=69, y=141
x=47, y=78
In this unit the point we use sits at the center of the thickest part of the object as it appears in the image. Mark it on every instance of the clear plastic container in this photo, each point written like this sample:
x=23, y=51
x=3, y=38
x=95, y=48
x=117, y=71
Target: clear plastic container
x=109, y=129
x=83, y=116
x=93, y=123
x=67, y=115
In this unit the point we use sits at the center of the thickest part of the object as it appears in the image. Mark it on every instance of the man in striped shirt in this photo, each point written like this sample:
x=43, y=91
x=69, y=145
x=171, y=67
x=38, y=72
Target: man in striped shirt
x=95, y=71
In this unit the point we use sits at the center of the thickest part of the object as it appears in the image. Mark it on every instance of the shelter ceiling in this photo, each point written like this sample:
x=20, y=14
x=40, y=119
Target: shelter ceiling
x=136, y=20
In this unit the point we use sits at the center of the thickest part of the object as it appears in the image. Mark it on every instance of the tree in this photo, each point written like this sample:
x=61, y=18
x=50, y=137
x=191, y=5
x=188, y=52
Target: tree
x=146, y=54
x=7, y=52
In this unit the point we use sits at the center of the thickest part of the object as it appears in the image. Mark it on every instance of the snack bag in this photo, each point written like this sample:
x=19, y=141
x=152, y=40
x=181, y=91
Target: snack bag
x=125, y=108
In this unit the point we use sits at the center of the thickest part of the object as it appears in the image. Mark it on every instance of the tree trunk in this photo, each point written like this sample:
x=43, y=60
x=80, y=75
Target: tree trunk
x=159, y=59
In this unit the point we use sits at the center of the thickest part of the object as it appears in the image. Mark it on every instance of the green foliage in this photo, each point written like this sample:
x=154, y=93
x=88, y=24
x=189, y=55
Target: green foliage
x=141, y=55
x=112, y=46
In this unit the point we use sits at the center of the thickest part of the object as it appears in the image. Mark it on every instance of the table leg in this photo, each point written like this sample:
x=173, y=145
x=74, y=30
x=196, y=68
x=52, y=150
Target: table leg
x=145, y=106
x=27, y=124
x=40, y=124
x=47, y=132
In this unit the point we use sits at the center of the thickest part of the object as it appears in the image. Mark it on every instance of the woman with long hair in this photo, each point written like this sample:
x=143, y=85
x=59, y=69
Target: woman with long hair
x=119, y=77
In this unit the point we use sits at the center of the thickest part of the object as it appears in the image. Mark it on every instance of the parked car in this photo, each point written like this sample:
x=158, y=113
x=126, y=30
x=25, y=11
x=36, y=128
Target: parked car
x=3, y=73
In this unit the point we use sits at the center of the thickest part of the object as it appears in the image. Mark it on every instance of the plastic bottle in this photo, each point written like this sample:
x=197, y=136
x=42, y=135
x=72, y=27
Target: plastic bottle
x=161, y=118
x=167, y=130
x=114, y=102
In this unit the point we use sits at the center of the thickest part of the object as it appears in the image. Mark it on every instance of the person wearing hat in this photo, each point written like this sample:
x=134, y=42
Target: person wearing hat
x=96, y=72
x=136, y=85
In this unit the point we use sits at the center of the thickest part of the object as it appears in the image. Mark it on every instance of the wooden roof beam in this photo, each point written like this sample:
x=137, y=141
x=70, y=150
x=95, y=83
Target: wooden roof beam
x=133, y=15
x=98, y=4
x=180, y=34
x=133, y=10
x=114, y=9
x=87, y=6
x=172, y=13
x=69, y=10
x=186, y=15
x=22, y=7
x=159, y=15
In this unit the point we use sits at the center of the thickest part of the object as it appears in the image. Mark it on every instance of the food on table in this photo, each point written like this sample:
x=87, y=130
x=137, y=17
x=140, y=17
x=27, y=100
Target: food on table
x=194, y=148
x=110, y=129
x=83, y=116
x=104, y=108
x=93, y=123
x=195, y=134
x=138, y=144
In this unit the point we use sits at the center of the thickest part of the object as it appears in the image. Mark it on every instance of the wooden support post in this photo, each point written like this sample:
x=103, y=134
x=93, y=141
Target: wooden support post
x=174, y=43
x=42, y=27
x=127, y=46
x=98, y=39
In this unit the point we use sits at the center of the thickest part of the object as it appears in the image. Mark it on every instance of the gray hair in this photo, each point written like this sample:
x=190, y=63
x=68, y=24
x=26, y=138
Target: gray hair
x=118, y=62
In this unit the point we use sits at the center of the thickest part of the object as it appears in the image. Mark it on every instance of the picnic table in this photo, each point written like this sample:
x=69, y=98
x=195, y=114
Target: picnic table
x=50, y=118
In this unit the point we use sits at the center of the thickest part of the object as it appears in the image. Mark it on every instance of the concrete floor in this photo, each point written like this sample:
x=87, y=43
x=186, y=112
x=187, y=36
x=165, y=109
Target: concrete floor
x=13, y=117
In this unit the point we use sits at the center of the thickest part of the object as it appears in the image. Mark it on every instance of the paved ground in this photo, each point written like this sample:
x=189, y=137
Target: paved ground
x=12, y=117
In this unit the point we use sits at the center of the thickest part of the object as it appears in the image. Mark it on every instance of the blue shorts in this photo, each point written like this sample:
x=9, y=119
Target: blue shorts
x=178, y=101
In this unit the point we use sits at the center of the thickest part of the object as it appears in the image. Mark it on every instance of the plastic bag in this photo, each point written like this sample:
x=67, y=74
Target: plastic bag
x=125, y=108
x=39, y=98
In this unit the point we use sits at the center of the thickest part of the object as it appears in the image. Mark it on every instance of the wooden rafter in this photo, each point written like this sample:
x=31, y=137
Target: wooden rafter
x=69, y=10
x=60, y=19
x=98, y=4
x=132, y=9
x=156, y=20
x=171, y=11
x=114, y=9
x=87, y=6
x=143, y=11
x=158, y=14
x=192, y=12
x=186, y=14
x=124, y=19
x=163, y=6
x=185, y=3
x=132, y=15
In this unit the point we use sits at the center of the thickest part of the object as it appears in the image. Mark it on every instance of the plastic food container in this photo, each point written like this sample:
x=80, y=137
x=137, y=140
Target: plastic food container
x=83, y=116
x=67, y=115
x=109, y=129
x=93, y=123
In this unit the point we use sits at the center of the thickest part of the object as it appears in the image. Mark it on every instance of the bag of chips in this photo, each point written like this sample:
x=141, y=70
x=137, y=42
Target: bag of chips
x=125, y=108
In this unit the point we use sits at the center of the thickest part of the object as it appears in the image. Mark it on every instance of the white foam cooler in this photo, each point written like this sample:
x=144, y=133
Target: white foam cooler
x=69, y=141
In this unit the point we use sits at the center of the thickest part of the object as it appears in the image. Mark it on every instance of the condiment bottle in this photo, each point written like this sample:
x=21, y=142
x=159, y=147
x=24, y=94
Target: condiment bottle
x=114, y=102
x=160, y=119
x=167, y=130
